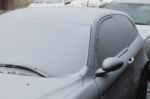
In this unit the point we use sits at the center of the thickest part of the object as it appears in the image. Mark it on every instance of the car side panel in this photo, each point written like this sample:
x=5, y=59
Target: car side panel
x=88, y=91
x=123, y=83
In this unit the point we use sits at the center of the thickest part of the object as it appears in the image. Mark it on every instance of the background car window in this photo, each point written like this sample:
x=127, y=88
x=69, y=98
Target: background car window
x=111, y=39
x=139, y=12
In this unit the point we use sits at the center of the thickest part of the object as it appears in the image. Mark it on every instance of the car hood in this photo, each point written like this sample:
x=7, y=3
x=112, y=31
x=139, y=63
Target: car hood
x=144, y=30
x=22, y=87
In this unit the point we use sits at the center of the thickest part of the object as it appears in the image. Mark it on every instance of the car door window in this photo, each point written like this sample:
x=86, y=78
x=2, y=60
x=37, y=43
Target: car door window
x=112, y=38
x=126, y=27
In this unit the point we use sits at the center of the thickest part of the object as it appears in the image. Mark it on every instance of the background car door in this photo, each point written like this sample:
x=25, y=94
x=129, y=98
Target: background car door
x=117, y=37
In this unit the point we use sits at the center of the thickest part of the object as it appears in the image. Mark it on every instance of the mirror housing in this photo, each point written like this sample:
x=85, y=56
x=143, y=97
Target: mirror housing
x=109, y=65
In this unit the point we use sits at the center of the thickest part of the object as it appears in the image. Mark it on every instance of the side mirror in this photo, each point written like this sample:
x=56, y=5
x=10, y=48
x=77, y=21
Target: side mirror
x=109, y=65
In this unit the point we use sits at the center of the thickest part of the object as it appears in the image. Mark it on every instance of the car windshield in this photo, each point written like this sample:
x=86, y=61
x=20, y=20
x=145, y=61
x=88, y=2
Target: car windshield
x=55, y=48
x=47, y=1
x=140, y=13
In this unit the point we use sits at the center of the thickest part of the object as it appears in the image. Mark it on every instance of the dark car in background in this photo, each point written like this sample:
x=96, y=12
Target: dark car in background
x=71, y=53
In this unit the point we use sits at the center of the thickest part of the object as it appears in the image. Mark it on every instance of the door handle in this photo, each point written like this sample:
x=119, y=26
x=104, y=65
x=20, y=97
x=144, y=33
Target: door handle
x=131, y=60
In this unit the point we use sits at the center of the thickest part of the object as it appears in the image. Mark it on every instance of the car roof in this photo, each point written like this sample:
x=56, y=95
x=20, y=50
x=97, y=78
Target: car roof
x=85, y=16
x=133, y=1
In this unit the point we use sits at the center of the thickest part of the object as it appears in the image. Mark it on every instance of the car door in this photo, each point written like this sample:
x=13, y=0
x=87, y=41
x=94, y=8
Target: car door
x=118, y=37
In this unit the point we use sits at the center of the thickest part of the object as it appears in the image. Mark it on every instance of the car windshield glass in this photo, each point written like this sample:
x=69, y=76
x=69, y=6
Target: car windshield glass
x=139, y=12
x=48, y=1
x=55, y=48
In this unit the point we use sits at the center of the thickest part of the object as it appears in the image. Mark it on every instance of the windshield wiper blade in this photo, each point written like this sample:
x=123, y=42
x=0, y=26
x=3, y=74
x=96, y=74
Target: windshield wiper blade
x=23, y=68
x=141, y=23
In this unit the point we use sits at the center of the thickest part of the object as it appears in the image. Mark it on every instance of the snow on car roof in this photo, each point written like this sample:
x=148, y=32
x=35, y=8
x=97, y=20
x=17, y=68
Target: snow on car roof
x=66, y=14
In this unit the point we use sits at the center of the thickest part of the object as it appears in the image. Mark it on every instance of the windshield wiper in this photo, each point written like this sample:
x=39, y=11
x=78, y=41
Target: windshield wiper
x=141, y=23
x=23, y=68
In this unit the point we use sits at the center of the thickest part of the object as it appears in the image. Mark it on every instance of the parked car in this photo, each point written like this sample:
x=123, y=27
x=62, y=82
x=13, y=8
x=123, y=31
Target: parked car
x=139, y=10
x=71, y=53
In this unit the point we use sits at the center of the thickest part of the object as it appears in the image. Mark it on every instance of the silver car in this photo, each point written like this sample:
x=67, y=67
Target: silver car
x=71, y=53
